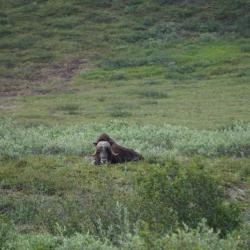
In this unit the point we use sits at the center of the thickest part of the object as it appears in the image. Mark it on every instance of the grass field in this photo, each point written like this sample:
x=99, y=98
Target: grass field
x=197, y=90
x=167, y=78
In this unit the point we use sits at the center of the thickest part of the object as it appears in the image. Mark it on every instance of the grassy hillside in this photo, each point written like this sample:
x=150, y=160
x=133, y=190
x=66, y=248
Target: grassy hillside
x=151, y=61
x=167, y=78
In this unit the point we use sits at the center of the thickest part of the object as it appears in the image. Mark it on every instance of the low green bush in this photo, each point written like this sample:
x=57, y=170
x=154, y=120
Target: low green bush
x=187, y=239
x=243, y=236
x=88, y=242
x=6, y=232
x=200, y=238
x=34, y=242
x=176, y=193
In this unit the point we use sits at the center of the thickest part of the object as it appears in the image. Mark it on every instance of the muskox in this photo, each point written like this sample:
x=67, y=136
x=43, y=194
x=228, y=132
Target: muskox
x=108, y=151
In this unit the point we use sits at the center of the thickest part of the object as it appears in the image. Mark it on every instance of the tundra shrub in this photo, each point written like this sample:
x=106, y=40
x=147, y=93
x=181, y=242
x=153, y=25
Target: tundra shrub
x=87, y=242
x=34, y=242
x=6, y=232
x=176, y=193
x=200, y=238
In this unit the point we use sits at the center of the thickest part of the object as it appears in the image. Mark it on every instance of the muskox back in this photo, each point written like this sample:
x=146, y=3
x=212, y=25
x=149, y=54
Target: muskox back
x=125, y=154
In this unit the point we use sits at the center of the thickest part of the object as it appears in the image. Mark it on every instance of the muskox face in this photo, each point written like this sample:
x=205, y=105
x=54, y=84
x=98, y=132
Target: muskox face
x=103, y=150
x=103, y=153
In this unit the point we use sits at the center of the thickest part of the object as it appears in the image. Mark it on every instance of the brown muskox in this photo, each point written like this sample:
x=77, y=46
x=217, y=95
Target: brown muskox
x=108, y=151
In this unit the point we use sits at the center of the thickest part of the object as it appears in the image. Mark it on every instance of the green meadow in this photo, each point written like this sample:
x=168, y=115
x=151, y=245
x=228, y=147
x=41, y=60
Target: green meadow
x=167, y=78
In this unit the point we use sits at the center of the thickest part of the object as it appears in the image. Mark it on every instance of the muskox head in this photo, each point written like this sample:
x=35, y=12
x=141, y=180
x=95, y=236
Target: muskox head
x=104, y=137
x=103, y=153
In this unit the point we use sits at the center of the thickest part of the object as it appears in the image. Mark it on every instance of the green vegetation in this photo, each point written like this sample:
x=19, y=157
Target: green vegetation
x=167, y=78
x=186, y=238
x=158, y=144
x=92, y=54
x=107, y=202
x=186, y=176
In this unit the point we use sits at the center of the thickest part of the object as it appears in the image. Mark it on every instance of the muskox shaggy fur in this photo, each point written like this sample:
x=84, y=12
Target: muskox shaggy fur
x=108, y=151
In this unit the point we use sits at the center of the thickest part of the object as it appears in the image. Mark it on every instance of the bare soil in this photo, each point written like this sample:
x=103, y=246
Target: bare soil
x=41, y=80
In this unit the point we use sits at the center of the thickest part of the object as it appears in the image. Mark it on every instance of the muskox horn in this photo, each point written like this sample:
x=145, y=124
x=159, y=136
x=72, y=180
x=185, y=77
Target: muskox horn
x=113, y=153
x=94, y=154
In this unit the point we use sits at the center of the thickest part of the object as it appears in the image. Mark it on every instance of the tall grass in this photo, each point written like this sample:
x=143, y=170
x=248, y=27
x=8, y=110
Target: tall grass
x=155, y=143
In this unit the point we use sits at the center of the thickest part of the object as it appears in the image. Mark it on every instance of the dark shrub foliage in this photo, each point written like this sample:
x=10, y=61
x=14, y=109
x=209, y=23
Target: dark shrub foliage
x=186, y=194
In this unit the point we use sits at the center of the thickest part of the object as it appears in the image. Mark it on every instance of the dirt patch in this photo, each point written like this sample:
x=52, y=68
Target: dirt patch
x=41, y=80
x=10, y=87
x=64, y=70
x=238, y=193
